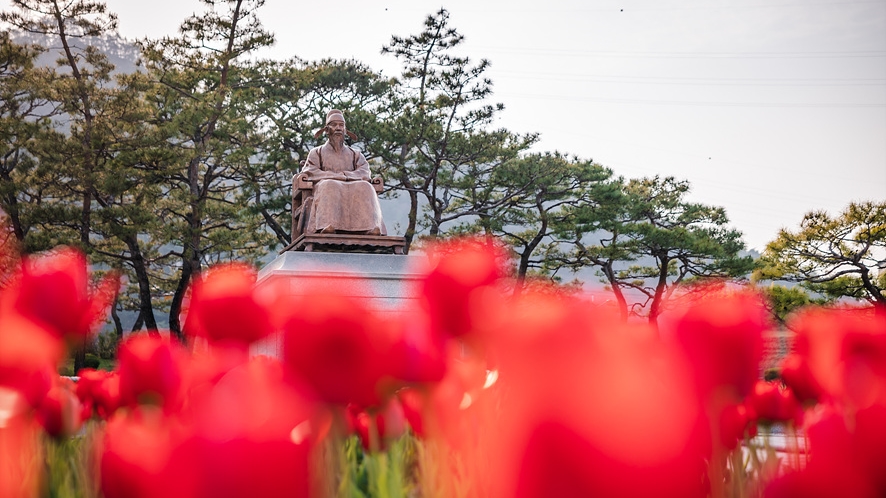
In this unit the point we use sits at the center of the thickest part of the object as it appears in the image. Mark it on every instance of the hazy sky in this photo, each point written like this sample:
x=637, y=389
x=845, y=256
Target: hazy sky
x=770, y=108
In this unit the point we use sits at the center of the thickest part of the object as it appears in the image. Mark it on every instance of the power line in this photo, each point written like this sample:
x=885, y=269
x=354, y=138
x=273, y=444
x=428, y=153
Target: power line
x=574, y=98
x=665, y=80
x=686, y=55
x=764, y=190
x=659, y=8
x=705, y=6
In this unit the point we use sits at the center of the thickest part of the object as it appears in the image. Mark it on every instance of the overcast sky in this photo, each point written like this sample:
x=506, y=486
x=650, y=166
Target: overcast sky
x=770, y=108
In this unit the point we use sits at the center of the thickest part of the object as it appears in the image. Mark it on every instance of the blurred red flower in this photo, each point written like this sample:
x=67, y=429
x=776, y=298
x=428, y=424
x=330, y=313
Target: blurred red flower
x=796, y=374
x=339, y=348
x=147, y=454
x=106, y=395
x=869, y=444
x=54, y=291
x=460, y=284
x=835, y=482
x=150, y=370
x=412, y=401
x=87, y=387
x=60, y=412
x=19, y=451
x=254, y=431
x=417, y=354
x=722, y=339
x=28, y=356
x=842, y=353
x=540, y=395
x=771, y=402
x=863, y=355
x=847, y=458
x=847, y=430
x=593, y=407
x=390, y=423
x=225, y=308
x=561, y=461
x=735, y=421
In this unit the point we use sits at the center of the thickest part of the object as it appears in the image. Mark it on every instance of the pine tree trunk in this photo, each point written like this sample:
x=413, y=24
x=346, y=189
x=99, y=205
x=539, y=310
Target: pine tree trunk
x=146, y=307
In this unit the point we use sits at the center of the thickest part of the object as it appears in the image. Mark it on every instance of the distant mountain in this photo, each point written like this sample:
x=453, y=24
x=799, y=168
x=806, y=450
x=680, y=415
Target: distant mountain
x=122, y=53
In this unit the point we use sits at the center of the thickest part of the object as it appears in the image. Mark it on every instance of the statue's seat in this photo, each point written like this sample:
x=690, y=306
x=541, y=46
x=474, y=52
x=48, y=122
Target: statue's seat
x=302, y=201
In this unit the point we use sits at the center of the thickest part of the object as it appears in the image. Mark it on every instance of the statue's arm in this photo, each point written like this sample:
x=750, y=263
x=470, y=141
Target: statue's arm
x=362, y=170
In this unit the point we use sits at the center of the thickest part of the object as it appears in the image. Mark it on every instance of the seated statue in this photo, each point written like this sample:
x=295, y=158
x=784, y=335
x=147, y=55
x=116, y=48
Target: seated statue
x=344, y=200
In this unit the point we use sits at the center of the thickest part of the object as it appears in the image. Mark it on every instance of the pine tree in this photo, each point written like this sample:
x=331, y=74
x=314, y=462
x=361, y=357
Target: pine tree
x=438, y=146
x=205, y=88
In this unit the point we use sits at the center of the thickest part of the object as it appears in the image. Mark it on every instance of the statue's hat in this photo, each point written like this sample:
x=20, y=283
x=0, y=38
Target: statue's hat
x=332, y=114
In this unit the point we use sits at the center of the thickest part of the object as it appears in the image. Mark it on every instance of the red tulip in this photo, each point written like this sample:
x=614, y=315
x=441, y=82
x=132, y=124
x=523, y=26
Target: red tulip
x=559, y=460
x=225, y=308
x=150, y=371
x=869, y=444
x=60, y=412
x=339, y=348
x=846, y=458
x=864, y=363
x=450, y=410
x=28, y=355
x=412, y=401
x=417, y=354
x=462, y=279
x=361, y=423
x=722, y=339
x=835, y=482
x=146, y=454
x=734, y=423
x=772, y=403
x=797, y=375
x=254, y=433
x=390, y=423
x=87, y=389
x=107, y=396
x=844, y=351
x=593, y=407
x=54, y=291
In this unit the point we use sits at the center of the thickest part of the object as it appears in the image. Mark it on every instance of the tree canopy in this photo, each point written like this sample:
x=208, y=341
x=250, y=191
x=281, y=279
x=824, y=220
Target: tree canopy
x=649, y=240
x=439, y=148
x=842, y=256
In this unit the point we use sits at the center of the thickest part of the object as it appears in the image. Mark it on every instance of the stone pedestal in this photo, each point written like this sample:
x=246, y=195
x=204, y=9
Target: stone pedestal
x=347, y=243
x=386, y=282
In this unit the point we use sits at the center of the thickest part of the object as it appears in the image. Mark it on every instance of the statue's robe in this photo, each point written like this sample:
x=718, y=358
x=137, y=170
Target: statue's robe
x=344, y=200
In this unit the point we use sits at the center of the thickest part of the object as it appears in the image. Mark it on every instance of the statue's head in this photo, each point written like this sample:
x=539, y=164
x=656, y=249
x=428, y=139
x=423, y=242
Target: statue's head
x=335, y=127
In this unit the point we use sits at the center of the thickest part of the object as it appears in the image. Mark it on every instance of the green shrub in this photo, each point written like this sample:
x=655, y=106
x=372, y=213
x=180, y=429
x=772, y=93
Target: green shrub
x=106, y=345
x=92, y=361
x=67, y=368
